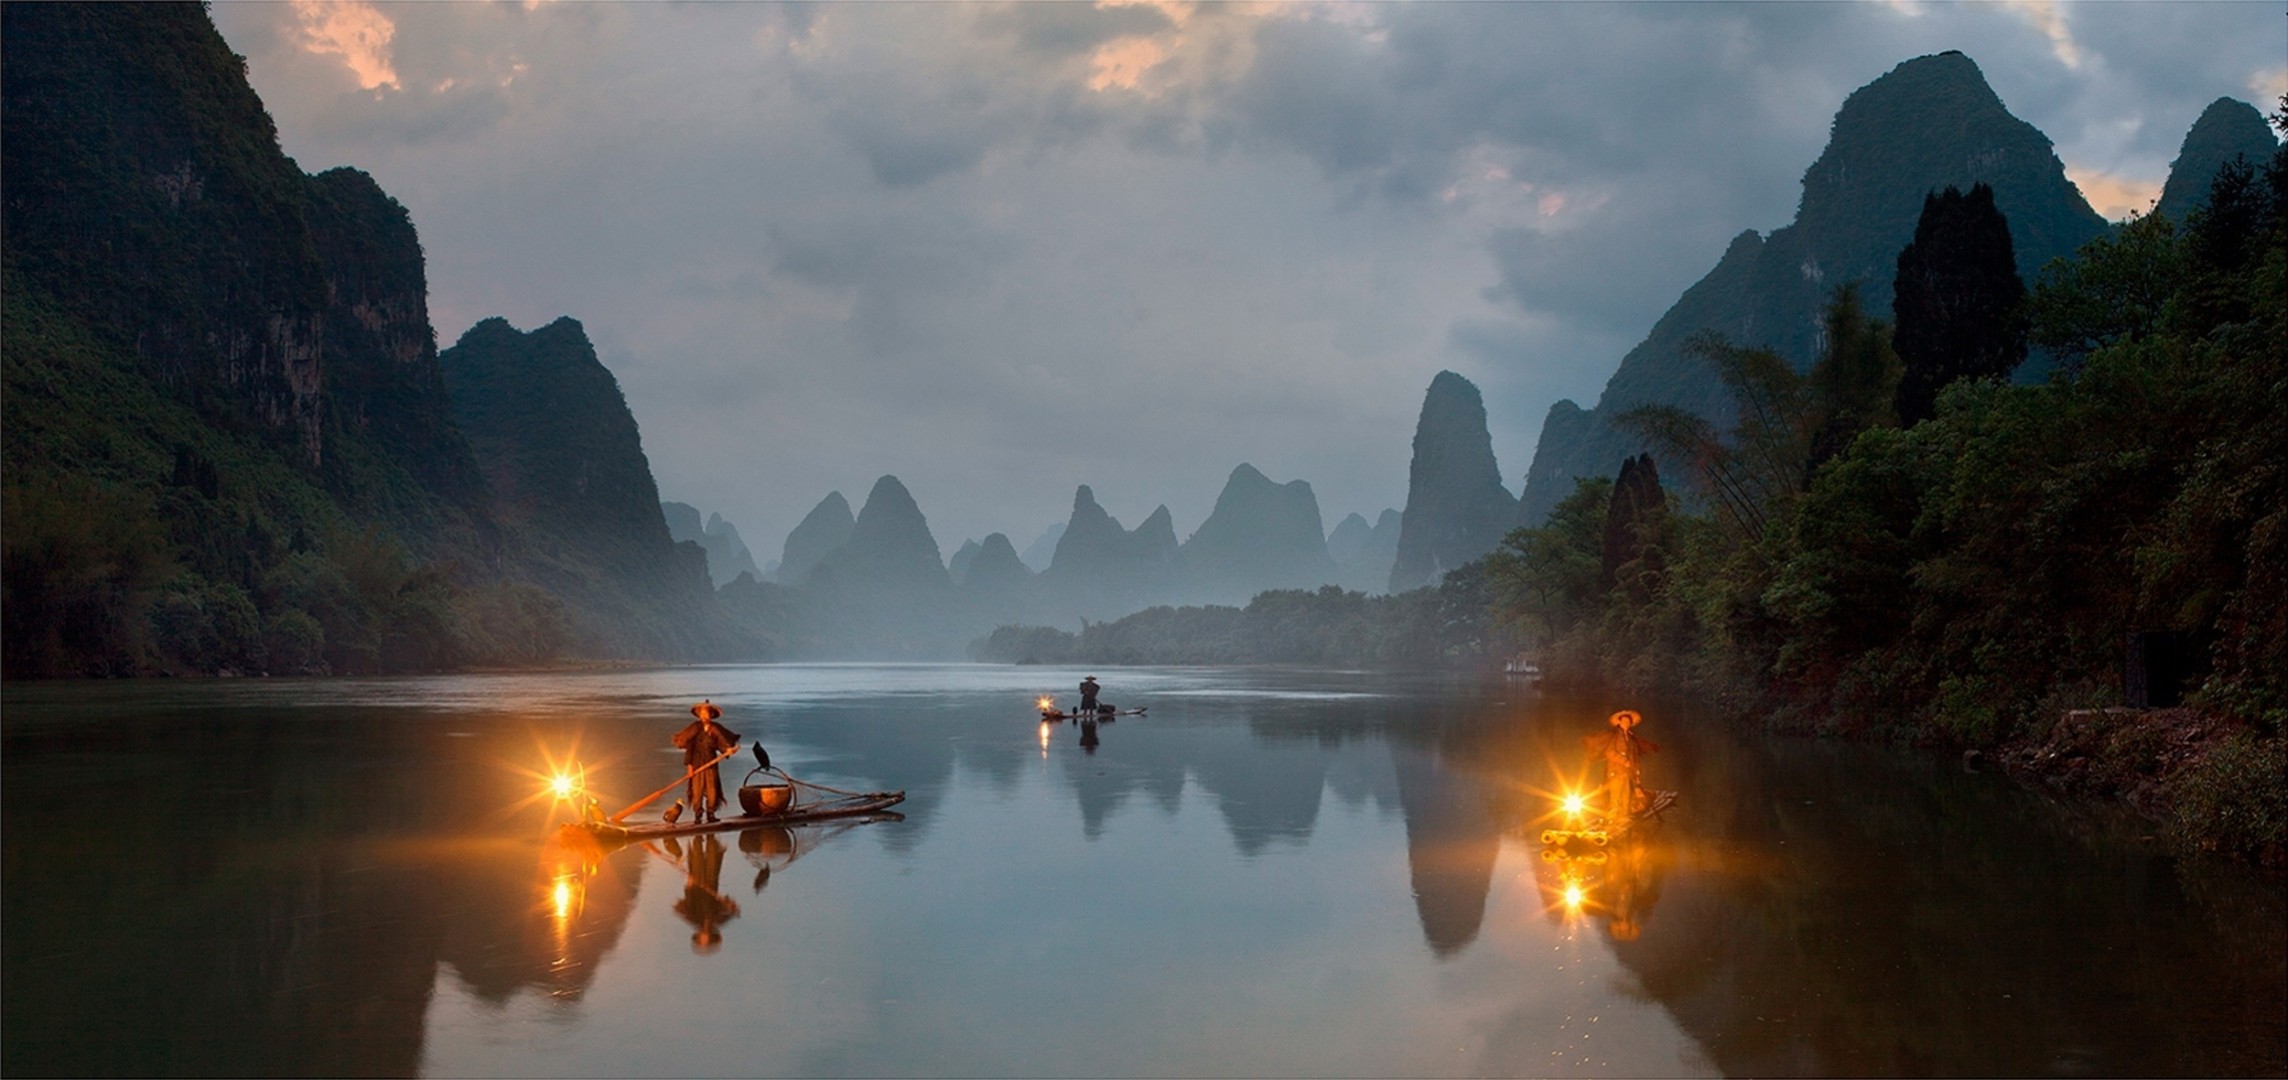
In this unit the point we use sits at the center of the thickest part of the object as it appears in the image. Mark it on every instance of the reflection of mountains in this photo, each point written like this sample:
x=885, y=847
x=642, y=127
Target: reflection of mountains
x=214, y=933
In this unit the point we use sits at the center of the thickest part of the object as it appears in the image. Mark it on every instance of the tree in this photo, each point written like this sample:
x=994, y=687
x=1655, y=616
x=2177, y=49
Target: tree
x=1855, y=381
x=1957, y=303
x=1632, y=522
x=2114, y=289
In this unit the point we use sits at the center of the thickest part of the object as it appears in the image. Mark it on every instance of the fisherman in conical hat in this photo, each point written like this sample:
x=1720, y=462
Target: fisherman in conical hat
x=1622, y=748
x=702, y=741
x=1088, y=696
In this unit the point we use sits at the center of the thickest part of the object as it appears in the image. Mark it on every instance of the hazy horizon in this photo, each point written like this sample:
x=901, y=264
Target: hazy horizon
x=1001, y=251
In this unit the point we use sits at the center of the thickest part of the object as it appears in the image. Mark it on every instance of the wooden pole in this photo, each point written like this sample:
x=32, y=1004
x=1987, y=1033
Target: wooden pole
x=647, y=800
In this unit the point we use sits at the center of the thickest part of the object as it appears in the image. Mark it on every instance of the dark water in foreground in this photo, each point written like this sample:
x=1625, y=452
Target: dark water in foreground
x=1273, y=873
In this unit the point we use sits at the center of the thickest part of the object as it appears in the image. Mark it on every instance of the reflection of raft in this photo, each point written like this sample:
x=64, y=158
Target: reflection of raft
x=1598, y=832
x=874, y=805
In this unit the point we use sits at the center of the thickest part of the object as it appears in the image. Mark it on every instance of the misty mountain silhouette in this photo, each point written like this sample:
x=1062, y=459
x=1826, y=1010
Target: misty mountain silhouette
x=1929, y=123
x=1456, y=507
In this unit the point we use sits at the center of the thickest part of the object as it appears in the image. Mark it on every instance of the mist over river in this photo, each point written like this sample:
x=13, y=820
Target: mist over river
x=1271, y=873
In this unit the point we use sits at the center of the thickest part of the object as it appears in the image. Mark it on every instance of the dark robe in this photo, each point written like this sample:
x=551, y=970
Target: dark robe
x=703, y=741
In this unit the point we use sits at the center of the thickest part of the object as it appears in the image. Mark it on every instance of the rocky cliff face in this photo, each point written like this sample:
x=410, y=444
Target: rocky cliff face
x=1929, y=123
x=145, y=187
x=395, y=451
x=565, y=462
x=825, y=528
x=1261, y=535
x=2226, y=130
x=1456, y=507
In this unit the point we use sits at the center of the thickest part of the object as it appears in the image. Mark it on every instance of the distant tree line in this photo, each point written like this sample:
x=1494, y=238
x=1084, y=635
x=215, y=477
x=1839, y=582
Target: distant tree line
x=1449, y=625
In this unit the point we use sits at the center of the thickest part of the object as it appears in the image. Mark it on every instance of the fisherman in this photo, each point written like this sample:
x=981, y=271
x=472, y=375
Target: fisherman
x=1622, y=748
x=702, y=742
x=1088, y=696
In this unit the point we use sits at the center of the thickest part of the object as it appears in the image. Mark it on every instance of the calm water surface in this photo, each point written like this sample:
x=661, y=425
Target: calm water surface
x=1273, y=873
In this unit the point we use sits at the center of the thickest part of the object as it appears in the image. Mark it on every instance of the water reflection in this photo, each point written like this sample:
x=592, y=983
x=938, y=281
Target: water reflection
x=704, y=905
x=327, y=886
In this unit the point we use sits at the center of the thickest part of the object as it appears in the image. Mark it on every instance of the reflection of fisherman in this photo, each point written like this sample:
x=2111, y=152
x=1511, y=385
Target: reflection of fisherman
x=704, y=904
x=1088, y=696
x=1088, y=736
x=702, y=741
x=1622, y=749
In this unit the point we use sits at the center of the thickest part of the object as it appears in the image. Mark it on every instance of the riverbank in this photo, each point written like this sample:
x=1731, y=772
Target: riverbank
x=2209, y=782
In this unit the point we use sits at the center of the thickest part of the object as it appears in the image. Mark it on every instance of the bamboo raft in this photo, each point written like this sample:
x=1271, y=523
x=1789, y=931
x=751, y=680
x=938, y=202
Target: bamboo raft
x=1054, y=715
x=873, y=807
x=762, y=812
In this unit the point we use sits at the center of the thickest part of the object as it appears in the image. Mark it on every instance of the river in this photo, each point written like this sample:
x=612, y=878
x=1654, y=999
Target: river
x=1270, y=873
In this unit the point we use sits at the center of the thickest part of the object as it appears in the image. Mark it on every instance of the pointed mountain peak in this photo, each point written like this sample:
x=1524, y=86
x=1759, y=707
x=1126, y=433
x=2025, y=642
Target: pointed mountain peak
x=890, y=544
x=996, y=566
x=1456, y=507
x=824, y=529
x=2227, y=129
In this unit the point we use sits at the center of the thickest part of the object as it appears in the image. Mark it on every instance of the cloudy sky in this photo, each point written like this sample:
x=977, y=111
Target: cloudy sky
x=1001, y=250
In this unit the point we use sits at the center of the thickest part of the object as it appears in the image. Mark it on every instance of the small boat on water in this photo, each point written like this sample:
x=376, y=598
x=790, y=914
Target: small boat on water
x=871, y=806
x=1055, y=715
x=786, y=801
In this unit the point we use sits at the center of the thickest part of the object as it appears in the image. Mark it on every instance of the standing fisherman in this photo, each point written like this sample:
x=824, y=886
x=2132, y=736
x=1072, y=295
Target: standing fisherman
x=1622, y=749
x=1088, y=696
x=702, y=741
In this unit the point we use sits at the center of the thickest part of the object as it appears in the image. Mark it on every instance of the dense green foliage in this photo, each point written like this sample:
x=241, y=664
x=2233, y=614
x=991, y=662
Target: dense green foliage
x=1968, y=578
x=1445, y=625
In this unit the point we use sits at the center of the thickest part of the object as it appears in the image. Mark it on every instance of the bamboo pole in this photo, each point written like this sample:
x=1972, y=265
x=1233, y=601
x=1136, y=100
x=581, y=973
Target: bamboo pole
x=647, y=800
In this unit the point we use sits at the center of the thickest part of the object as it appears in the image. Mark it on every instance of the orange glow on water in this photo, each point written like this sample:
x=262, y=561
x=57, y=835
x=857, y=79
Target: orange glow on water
x=564, y=897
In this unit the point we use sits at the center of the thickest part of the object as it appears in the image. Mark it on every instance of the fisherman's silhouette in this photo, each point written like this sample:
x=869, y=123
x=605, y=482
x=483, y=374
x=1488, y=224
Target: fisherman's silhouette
x=704, y=905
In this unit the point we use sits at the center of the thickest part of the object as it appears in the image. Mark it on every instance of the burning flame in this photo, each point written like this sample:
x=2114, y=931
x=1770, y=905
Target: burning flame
x=1574, y=804
x=568, y=784
x=1574, y=895
x=1047, y=704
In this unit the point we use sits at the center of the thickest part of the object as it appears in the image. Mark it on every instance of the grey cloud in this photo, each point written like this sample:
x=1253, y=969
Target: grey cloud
x=1070, y=29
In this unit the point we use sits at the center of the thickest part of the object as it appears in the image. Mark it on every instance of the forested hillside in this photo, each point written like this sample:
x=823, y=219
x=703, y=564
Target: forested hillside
x=227, y=441
x=2117, y=535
